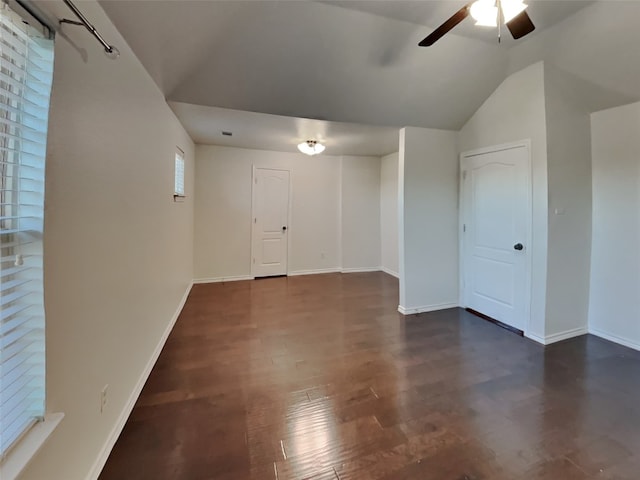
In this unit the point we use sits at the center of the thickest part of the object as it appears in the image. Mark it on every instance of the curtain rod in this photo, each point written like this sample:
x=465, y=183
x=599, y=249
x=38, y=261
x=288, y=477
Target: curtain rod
x=110, y=50
x=40, y=16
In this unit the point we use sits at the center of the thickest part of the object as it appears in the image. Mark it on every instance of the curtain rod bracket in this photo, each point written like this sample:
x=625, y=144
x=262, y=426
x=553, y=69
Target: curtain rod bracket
x=71, y=22
x=109, y=50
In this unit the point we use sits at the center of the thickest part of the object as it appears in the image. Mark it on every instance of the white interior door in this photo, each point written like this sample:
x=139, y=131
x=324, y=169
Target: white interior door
x=270, y=232
x=496, y=231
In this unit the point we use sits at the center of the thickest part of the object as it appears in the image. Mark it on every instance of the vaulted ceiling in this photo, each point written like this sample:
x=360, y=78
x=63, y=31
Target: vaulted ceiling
x=358, y=61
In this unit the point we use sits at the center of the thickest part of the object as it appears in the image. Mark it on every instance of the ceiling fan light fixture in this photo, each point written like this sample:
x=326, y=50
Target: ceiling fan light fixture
x=485, y=13
x=311, y=147
x=488, y=13
x=511, y=9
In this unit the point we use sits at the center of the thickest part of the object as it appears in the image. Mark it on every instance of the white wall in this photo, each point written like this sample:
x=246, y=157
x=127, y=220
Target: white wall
x=389, y=214
x=591, y=47
x=569, y=181
x=428, y=219
x=516, y=111
x=360, y=213
x=118, y=250
x=223, y=210
x=614, y=308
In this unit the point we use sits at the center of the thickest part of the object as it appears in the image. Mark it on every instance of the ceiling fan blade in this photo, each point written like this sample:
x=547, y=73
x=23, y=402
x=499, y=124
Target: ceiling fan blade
x=520, y=25
x=446, y=26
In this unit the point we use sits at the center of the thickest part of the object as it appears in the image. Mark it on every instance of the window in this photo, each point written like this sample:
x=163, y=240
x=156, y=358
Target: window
x=178, y=190
x=26, y=70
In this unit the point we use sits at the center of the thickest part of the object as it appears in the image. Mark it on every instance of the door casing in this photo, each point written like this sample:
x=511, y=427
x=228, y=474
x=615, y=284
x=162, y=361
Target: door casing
x=529, y=222
x=254, y=169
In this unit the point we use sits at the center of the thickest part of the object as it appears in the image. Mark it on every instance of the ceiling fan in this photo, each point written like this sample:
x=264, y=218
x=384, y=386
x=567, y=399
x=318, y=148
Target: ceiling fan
x=488, y=13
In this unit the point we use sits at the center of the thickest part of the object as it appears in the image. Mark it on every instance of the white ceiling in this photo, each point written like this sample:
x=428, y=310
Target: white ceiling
x=358, y=61
x=273, y=132
x=308, y=59
x=432, y=13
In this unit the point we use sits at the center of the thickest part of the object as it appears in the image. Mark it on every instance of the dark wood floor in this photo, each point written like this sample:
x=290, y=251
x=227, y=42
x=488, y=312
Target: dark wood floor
x=319, y=377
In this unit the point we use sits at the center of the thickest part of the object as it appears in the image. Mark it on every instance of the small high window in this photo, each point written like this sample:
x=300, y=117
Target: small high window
x=178, y=190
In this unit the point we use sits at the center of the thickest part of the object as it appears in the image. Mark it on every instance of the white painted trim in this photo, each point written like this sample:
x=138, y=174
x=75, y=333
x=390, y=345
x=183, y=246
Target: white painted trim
x=340, y=216
x=254, y=170
x=535, y=338
x=526, y=143
x=27, y=448
x=461, y=222
x=615, y=338
x=558, y=337
x=390, y=272
x=253, y=216
x=289, y=219
x=401, y=243
x=295, y=274
x=497, y=148
x=314, y=272
x=98, y=465
x=426, y=308
x=222, y=279
x=360, y=269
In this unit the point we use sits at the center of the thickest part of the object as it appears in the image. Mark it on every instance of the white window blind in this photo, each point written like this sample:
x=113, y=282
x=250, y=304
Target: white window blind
x=26, y=70
x=179, y=174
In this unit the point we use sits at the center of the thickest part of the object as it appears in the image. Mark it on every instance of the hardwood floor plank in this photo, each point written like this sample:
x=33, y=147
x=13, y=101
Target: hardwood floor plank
x=319, y=377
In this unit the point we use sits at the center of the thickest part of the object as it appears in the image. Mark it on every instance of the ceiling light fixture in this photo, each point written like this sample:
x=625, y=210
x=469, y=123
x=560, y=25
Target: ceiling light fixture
x=511, y=9
x=486, y=12
x=311, y=147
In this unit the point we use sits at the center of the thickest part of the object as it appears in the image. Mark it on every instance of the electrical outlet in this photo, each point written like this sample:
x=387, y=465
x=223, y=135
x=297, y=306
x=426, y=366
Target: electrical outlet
x=103, y=398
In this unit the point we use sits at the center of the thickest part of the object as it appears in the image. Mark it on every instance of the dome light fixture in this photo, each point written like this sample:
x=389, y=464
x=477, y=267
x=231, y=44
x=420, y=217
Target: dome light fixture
x=311, y=147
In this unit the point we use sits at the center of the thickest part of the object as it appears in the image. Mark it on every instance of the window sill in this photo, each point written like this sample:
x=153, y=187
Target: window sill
x=20, y=455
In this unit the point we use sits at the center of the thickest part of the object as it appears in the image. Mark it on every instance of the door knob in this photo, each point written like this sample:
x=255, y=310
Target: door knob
x=284, y=229
x=518, y=246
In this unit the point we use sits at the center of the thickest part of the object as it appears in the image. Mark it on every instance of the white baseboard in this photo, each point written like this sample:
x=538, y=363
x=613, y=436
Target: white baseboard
x=390, y=272
x=314, y=272
x=360, y=269
x=295, y=273
x=128, y=408
x=222, y=279
x=426, y=308
x=535, y=338
x=557, y=337
x=615, y=338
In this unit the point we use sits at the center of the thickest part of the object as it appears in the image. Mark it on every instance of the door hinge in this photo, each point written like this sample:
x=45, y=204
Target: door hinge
x=464, y=174
x=255, y=220
x=254, y=261
x=464, y=227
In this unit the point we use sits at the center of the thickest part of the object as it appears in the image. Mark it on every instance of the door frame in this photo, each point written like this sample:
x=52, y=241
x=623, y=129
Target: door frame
x=526, y=143
x=254, y=168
